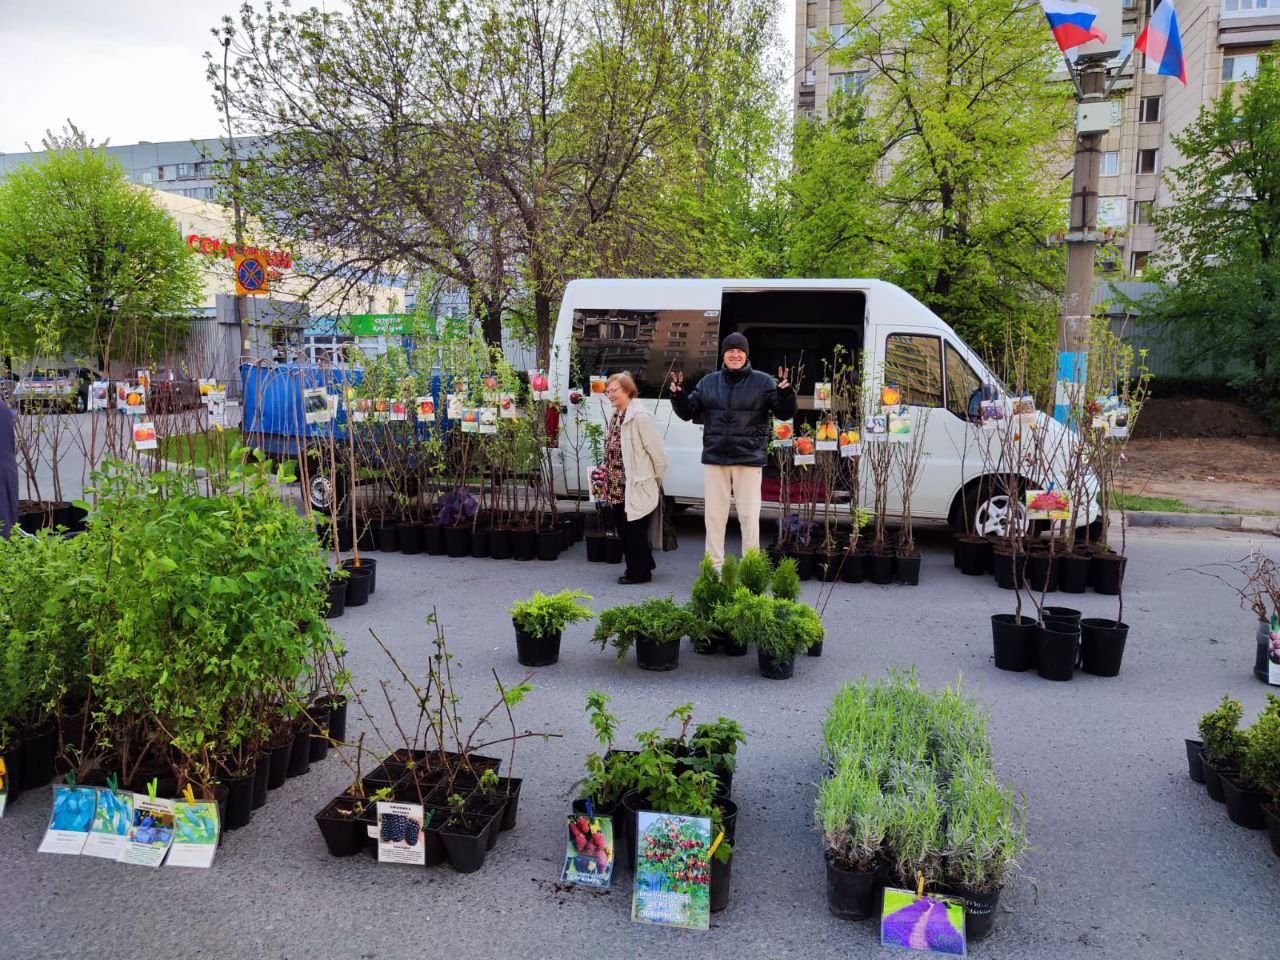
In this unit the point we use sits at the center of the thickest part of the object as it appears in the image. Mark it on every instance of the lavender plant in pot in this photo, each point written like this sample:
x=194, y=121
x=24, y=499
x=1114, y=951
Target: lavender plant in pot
x=853, y=815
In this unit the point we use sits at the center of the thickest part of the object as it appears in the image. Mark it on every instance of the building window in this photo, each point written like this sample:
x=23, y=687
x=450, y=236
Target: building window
x=1126, y=48
x=1142, y=210
x=1110, y=164
x=1138, y=262
x=159, y=173
x=1129, y=4
x=1246, y=8
x=1148, y=160
x=1149, y=110
x=1243, y=67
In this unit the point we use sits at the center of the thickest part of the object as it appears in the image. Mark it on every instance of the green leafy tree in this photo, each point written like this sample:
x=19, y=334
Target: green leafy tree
x=88, y=263
x=1219, y=267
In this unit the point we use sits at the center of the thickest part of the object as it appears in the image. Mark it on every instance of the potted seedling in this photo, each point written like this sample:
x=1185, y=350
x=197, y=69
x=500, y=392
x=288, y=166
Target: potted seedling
x=1261, y=765
x=609, y=772
x=708, y=592
x=655, y=627
x=1245, y=790
x=1223, y=744
x=778, y=629
x=909, y=456
x=539, y=622
x=853, y=815
x=879, y=459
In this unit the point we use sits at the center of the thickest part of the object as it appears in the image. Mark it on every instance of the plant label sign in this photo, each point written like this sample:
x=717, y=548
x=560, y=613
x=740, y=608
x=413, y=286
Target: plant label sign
x=507, y=408
x=217, y=405
x=131, y=398
x=899, y=425
x=588, y=856
x=1024, y=411
x=1047, y=505
x=99, y=394
x=929, y=923
x=673, y=871
x=822, y=395
x=400, y=836
x=399, y=411
x=1273, y=653
x=850, y=442
x=70, y=820
x=151, y=832
x=111, y=821
x=488, y=419
x=315, y=403
x=453, y=406
x=990, y=414
x=598, y=382
x=195, y=834
x=875, y=427
x=4, y=786
x=538, y=385
x=470, y=420
x=144, y=435
x=424, y=409
x=784, y=433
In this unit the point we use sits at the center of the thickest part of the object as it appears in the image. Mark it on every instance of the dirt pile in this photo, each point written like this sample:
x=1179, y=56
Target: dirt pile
x=1199, y=417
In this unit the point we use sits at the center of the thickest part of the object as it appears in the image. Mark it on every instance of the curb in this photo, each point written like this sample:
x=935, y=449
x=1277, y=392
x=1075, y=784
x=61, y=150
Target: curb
x=1243, y=522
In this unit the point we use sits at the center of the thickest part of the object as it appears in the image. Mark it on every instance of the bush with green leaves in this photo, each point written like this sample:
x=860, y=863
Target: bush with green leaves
x=659, y=619
x=786, y=580
x=853, y=814
x=755, y=571
x=986, y=829
x=708, y=591
x=1220, y=731
x=1260, y=756
x=547, y=616
x=778, y=628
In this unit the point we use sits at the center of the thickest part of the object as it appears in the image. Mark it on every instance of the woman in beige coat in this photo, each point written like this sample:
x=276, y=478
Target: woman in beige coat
x=635, y=463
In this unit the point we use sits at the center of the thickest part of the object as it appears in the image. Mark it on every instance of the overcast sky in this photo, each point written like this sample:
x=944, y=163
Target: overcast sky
x=123, y=70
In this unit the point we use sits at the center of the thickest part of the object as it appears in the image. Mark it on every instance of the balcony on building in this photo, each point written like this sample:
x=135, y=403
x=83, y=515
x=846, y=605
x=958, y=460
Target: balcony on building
x=1244, y=23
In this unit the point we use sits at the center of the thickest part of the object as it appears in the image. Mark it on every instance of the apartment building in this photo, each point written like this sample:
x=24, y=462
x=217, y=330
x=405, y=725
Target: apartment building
x=1221, y=42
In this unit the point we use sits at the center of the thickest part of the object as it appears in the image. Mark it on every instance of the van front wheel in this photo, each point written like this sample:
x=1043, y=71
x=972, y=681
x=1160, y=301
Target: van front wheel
x=994, y=511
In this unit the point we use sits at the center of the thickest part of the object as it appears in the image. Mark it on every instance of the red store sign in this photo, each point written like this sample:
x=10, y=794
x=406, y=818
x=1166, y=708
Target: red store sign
x=213, y=247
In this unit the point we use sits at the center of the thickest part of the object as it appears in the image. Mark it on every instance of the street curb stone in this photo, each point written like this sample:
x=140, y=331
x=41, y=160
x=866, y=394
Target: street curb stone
x=1243, y=522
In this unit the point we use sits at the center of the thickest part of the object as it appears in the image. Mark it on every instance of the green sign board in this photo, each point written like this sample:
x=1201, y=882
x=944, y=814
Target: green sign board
x=398, y=325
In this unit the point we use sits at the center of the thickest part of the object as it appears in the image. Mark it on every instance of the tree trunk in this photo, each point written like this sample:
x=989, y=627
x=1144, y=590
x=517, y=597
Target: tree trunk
x=542, y=320
x=492, y=317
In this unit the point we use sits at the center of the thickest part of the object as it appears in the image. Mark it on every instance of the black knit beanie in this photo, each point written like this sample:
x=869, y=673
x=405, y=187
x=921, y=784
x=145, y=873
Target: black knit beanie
x=735, y=340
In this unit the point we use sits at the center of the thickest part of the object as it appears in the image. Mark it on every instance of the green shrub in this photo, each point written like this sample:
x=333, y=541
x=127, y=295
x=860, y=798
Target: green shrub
x=708, y=590
x=546, y=616
x=1223, y=741
x=1260, y=756
x=659, y=619
x=786, y=580
x=755, y=571
x=986, y=830
x=778, y=628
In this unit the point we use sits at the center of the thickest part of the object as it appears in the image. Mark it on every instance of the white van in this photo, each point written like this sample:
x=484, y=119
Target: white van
x=648, y=326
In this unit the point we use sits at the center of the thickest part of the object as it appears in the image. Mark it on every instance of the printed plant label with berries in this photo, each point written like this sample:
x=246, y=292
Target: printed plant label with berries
x=400, y=838
x=588, y=856
x=673, y=871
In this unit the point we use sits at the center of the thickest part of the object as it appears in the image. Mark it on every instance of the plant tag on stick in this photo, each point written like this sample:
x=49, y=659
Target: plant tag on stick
x=151, y=832
x=488, y=419
x=131, y=398
x=217, y=404
x=144, y=435
x=99, y=394
x=70, y=820
x=195, y=833
x=589, y=853
x=925, y=922
x=598, y=382
x=399, y=411
x=673, y=871
x=899, y=424
x=875, y=428
x=112, y=818
x=507, y=408
x=315, y=403
x=400, y=833
x=784, y=433
x=425, y=409
x=850, y=442
x=1047, y=505
x=1273, y=652
x=822, y=395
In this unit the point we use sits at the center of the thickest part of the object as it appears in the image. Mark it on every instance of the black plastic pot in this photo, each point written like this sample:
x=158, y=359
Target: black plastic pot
x=852, y=894
x=457, y=541
x=509, y=788
x=524, y=544
x=1106, y=572
x=613, y=550
x=37, y=758
x=651, y=655
x=343, y=836
x=1067, y=615
x=410, y=537
x=975, y=555
x=708, y=644
x=536, y=651
x=300, y=755
x=815, y=650
x=907, y=568
x=772, y=669
x=337, y=717
x=279, y=766
x=1073, y=572
x=595, y=547
x=1102, y=646
x=550, y=542
x=466, y=842
x=388, y=537
x=261, y=774
x=1014, y=639
x=632, y=803
x=731, y=647
x=239, y=802
x=367, y=540
x=346, y=536
x=433, y=542
x=1008, y=569
x=578, y=523
x=1194, y=770
x=1056, y=651
x=1042, y=572
x=358, y=581
x=319, y=734
x=500, y=544
x=880, y=566
x=366, y=563
x=805, y=564
x=1212, y=780
x=1244, y=804
x=855, y=567
x=721, y=880
x=479, y=542
x=827, y=566
x=337, y=598
x=1271, y=816
x=979, y=912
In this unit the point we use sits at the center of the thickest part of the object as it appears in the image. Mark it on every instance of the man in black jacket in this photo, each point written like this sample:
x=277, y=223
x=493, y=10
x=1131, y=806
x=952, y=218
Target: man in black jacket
x=735, y=406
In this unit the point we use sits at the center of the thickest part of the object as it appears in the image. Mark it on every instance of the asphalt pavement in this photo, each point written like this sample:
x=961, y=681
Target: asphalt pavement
x=1130, y=859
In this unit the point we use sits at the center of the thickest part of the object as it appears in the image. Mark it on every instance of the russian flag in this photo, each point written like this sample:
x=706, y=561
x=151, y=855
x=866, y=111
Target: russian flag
x=1072, y=23
x=1161, y=41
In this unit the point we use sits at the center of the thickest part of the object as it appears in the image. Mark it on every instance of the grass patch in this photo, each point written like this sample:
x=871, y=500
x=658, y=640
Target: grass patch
x=203, y=449
x=1138, y=501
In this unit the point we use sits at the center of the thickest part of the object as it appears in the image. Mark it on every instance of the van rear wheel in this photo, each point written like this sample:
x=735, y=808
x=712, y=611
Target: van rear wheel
x=991, y=513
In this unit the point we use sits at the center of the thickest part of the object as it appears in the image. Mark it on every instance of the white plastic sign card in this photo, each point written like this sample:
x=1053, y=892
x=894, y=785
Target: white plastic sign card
x=1024, y=410
x=424, y=409
x=673, y=871
x=360, y=409
x=490, y=390
x=929, y=923
x=784, y=433
x=875, y=428
x=990, y=414
x=588, y=855
x=400, y=836
x=453, y=406
x=144, y=435
x=822, y=395
x=315, y=404
x=805, y=459
x=1047, y=505
x=4, y=786
x=131, y=398
x=399, y=411
x=488, y=419
x=99, y=394
x=1273, y=653
x=470, y=420
x=507, y=408
x=538, y=385
x=111, y=821
x=850, y=442
x=70, y=820
x=195, y=834
x=217, y=404
x=151, y=832
x=598, y=384
x=381, y=409
x=899, y=425
x=827, y=436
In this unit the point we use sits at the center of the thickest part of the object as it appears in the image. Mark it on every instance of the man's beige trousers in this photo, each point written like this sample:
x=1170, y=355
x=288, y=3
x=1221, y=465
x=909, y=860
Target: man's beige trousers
x=742, y=485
